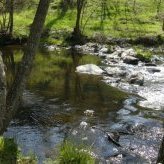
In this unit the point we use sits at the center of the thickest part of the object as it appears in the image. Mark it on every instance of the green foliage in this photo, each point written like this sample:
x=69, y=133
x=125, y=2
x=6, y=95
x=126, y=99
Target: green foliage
x=120, y=18
x=72, y=154
x=143, y=55
x=31, y=159
x=9, y=153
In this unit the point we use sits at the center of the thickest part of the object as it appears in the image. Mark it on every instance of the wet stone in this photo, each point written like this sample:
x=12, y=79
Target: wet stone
x=123, y=112
x=150, y=64
x=115, y=71
x=130, y=60
x=153, y=70
x=136, y=78
x=130, y=108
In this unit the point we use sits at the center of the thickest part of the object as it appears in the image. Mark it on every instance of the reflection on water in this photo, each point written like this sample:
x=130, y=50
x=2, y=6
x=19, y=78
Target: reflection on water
x=56, y=98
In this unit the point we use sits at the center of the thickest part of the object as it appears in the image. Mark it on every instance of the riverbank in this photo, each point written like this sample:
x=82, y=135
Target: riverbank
x=138, y=19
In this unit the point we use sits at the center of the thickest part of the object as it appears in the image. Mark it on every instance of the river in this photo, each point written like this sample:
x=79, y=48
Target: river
x=58, y=102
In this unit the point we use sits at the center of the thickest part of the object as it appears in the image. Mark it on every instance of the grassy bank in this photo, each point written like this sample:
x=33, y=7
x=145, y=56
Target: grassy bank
x=119, y=19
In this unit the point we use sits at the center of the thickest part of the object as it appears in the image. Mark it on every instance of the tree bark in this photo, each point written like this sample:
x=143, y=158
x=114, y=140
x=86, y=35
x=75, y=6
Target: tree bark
x=77, y=30
x=16, y=90
x=2, y=92
x=161, y=153
x=11, y=17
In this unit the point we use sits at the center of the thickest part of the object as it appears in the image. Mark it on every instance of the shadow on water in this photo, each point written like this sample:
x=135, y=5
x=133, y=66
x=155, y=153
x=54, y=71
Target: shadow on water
x=56, y=98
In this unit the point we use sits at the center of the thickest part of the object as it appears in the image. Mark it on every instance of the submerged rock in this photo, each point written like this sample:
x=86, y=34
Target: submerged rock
x=96, y=138
x=89, y=69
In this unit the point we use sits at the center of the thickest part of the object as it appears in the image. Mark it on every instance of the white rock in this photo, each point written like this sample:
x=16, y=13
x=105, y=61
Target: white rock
x=74, y=132
x=129, y=52
x=104, y=50
x=85, y=138
x=51, y=48
x=89, y=112
x=115, y=71
x=83, y=124
x=89, y=69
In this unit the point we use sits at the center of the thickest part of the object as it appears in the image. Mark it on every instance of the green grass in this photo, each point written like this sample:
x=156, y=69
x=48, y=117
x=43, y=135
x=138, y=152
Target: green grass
x=143, y=55
x=120, y=21
x=9, y=153
x=73, y=154
x=68, y=154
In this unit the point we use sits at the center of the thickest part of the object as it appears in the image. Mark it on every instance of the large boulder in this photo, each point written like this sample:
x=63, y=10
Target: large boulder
x=89, y=69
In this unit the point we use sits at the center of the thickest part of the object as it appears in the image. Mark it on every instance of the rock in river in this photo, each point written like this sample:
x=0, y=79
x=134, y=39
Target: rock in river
x=153, y=70
x=89, y=69
x=115, y=71
x=130, y=60
x=128, y=52
x=136, y=78
x=129, y=57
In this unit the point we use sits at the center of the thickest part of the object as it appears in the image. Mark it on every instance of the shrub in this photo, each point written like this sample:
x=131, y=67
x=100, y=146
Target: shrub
x=72, y=154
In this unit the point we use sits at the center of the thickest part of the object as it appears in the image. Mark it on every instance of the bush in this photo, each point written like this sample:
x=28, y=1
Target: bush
x=144, y=55
x=72, y=154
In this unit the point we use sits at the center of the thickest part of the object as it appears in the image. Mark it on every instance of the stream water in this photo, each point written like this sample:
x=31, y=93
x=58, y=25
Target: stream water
x=59, y=103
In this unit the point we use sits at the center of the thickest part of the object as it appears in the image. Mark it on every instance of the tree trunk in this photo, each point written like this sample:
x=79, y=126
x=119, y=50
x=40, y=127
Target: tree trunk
x=77, y=30
x=161, y=153
x=2, y=92
x=16, y=90
x=11, y=17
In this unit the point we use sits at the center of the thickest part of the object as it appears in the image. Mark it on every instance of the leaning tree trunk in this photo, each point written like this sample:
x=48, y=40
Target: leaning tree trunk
x=16, y=90
x=2, y=92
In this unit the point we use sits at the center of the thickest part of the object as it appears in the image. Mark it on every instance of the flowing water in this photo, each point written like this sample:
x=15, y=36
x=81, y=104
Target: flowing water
x=59, y=103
